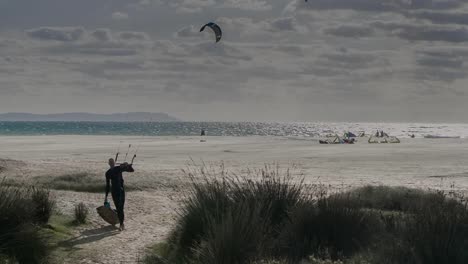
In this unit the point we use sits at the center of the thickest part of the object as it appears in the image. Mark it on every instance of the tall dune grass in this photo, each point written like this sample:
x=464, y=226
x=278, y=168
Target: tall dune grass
x=22, y=212
x=273, y=218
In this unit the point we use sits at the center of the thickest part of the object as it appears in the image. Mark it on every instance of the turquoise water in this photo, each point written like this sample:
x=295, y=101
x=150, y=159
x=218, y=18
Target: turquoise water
x=156, y=129
x=225, y=128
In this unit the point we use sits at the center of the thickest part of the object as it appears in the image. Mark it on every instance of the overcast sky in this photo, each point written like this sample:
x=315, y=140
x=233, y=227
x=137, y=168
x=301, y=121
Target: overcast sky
x=281, y=60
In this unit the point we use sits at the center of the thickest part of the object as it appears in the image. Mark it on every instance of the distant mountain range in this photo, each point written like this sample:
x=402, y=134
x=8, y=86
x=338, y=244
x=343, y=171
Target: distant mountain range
x=117, y=117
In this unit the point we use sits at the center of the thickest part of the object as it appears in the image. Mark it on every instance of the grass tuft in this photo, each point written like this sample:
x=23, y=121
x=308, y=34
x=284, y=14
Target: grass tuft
x=81, y=213
x=23, y=211
x=334, y=224
x=43, y=204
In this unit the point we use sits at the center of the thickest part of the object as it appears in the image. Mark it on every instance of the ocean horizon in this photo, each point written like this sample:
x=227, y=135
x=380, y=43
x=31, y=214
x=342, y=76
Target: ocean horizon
x=283, y=129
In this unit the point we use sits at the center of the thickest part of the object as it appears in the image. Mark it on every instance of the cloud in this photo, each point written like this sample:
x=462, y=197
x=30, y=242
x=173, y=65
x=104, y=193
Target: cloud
x=438, y=17
x=284, y=24
x=443, y=65
x=225, y=51
x=291, y=50
x=250, y=5
x=190, y=6
x=424, y=32
x=440, y=61
x=130, y=35
x=247, y=29
x=455, y=35
x=119, y=16
x=221, y=88
x=56, y=33
x=93, y=48
x=350, y=31
x=349, y=60
x=351, y=65
x=346, y=56
x=76, y=40
x=439, y=74
x=113, y=69
x=102, y=34
x=360, y=5
x=446, y=51
x=375, y=6
x=188, y=32
x=188, y=10
x=197, y=6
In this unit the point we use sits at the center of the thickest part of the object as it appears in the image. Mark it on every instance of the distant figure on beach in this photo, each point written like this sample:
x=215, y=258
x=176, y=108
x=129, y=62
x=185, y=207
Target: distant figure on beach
x=412, y=136
x=202, y=132
x=114, y=178
x=377, y=134
x=381, y=133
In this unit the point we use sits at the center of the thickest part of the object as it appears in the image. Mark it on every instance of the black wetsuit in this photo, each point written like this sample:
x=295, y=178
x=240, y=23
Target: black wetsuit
x=114, y=176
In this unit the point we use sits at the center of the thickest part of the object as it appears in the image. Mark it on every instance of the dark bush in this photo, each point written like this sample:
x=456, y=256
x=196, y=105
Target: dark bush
x=240, y=220
x=335, y=224
x=274, y=195
x=206, y=201
x=212, y=211
x=20, y=237
x=43, y=203
x=239, y=236
x=438, y=232
x=28, y=246
x=435, y=231
x=391, y=198
x=81, y=213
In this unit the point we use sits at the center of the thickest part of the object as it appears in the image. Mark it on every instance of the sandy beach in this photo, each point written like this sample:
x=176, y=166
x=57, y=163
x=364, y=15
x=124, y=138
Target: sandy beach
x=421, y=163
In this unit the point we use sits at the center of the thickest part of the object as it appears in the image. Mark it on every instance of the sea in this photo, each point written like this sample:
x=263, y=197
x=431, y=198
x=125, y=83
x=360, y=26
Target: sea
x=302, y=129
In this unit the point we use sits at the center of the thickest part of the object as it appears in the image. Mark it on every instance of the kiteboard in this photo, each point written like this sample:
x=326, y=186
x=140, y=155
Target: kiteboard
x=108, y=214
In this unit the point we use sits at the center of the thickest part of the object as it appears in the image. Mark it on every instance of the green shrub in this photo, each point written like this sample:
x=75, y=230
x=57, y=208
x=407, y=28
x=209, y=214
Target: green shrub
x=438, y=232
x=219, y=208
x=238, y=236
x=28, y=246
x=81, y=213
x=336, y=225
x=43, y=203
x=391, y=198
x=273, y=219
x=20, y=239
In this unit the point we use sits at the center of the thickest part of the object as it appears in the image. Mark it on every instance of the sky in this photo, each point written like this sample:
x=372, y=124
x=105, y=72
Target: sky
x=279, y=60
